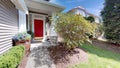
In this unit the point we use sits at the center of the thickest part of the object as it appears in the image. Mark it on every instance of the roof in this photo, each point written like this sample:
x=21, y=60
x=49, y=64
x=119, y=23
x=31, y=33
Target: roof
x=78, y=8
x=83, y=9
x=50, y=4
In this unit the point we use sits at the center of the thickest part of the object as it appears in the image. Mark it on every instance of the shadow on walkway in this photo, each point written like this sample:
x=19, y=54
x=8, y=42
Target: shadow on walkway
x=39, y=57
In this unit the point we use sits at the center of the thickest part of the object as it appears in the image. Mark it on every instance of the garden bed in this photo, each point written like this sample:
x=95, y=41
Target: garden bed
x=64, y=58
x=107, y=45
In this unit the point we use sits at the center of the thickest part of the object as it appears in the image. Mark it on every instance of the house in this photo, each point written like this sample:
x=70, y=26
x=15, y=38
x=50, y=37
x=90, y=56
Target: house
x=25, y=15
x=82, y=11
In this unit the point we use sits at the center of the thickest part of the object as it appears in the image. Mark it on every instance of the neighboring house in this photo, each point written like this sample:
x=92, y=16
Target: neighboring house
x=82, y=11
x=25, y=15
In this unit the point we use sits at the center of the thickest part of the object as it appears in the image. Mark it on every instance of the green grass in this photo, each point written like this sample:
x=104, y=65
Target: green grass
x=99, y=58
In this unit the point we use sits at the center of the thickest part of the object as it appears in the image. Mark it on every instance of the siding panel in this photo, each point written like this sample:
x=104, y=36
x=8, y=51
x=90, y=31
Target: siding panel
x=8, y=24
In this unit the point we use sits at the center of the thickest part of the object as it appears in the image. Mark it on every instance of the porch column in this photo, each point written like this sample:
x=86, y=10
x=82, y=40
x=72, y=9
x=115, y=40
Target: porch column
x=52, y=29
x=53, y=38
x=22, y=21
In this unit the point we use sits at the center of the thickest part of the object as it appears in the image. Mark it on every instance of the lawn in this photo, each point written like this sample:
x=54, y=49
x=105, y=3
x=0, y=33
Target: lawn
x=99, y=58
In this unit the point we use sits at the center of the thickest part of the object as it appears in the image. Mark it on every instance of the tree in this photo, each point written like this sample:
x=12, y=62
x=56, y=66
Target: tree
x=90, y=18
x=72, y=28
x=111, y=19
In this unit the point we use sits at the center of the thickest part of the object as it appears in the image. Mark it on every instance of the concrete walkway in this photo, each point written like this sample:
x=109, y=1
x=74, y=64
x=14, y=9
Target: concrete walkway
x=39, y=56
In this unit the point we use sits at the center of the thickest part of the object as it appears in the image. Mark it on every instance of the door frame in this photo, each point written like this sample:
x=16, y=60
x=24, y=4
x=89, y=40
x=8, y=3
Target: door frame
x=38, y=17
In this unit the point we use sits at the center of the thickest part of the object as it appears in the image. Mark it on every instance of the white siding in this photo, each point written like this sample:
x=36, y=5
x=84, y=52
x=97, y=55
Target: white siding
x=8, y=24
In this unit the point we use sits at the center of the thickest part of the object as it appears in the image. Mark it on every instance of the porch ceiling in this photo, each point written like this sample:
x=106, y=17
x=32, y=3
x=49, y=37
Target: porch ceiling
x=39, y=11
x=20, y=4
x=43, y=7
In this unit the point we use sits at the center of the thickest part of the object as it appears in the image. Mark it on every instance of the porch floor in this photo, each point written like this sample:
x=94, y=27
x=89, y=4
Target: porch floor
x=39, y=56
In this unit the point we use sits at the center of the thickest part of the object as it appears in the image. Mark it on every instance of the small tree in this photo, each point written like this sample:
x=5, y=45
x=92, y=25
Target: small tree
x=73, y=29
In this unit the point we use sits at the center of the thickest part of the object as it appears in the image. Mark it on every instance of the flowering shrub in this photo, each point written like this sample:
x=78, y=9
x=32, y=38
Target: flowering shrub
x=73, y=29
x=22, y=37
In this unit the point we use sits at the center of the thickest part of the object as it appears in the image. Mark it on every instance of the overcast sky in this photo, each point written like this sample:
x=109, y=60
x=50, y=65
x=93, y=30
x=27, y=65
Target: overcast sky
x=92, y=6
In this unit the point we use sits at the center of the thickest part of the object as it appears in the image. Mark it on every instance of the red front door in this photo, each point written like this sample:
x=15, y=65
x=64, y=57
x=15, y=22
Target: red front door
x=38, y=28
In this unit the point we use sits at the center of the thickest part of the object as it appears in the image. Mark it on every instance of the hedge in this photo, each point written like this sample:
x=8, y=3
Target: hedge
x=12, y=58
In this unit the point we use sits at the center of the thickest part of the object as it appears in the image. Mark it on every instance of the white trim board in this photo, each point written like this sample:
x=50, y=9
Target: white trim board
x=39, y=17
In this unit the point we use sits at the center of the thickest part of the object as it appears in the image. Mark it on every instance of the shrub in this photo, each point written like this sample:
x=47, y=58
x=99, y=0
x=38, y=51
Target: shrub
x=90, y=18
x=12, y=58
x=22, y=37
x=72, y=28
x=31, y=33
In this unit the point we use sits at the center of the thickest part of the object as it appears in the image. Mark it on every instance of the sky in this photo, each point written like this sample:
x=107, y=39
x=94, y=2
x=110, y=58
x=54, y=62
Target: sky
x=92, y=6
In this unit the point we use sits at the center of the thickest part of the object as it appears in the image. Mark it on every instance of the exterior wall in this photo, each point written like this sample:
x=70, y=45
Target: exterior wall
x=80, y=12
x=8, y=24
x=97, y=20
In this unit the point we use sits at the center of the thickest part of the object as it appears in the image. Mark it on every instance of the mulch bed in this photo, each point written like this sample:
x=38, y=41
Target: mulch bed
x=64, y=58
x=107, y=45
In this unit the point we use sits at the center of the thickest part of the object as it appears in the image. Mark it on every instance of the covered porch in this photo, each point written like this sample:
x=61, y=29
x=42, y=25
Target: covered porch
x=38, y=19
